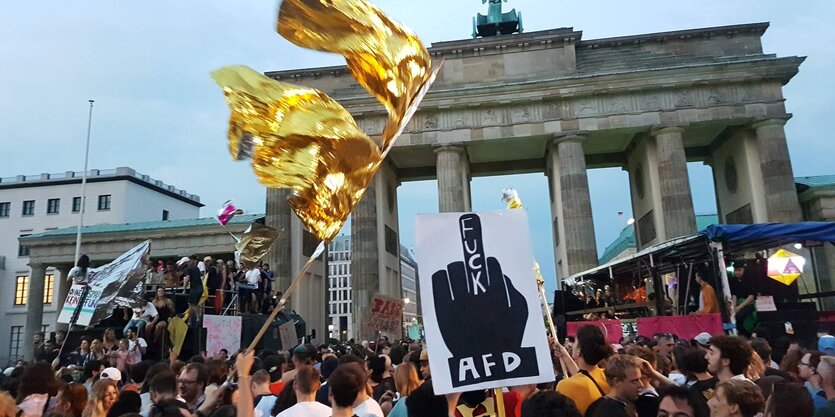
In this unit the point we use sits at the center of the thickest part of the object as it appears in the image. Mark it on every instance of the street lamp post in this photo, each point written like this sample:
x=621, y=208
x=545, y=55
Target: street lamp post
x=83, y=186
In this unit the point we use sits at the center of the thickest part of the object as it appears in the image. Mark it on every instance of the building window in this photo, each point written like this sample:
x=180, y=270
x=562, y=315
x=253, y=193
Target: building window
x=21, y=290
x=76, y=204
x=5, y=208
x=104, y=202
x=23, y=250
x=48, y=286
x=14, y=343
x=165, y=215
x=53, y=205
x=29, y=208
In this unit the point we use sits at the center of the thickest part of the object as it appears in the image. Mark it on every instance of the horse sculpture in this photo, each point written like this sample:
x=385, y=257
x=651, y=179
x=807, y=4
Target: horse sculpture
x=496, y=22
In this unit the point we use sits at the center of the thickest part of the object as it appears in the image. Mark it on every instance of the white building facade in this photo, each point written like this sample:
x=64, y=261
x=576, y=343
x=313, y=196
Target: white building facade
x=409, y=276
x=32, y=204
x=339, y=288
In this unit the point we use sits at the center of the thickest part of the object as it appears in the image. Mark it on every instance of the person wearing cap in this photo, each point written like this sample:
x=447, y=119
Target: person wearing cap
x=702, y=341
x=708, y=303
x=302, y=356
x=112, y=374
x=213, y=282
x=195, y=281
x=329, y=364
x=826, y=344
x=275, y=365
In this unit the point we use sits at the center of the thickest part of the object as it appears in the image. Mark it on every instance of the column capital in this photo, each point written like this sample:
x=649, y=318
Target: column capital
x=579, y=137
x=39, y=265
x=775, y=121
x=453, y=147
x=661, y=130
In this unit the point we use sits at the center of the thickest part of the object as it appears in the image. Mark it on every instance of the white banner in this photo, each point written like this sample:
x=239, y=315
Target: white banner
x=222, y=332
x=482, y=316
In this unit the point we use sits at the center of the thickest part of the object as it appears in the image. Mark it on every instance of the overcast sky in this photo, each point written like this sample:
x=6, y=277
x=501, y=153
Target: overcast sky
x=146, y=64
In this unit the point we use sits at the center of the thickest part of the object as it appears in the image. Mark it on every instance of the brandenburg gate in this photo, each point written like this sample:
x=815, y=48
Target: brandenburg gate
x=551, y=102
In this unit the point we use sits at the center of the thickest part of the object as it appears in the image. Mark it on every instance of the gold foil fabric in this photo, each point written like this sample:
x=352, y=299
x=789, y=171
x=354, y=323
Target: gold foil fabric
x=298, y=137
x=386, y=58
x=255, y=242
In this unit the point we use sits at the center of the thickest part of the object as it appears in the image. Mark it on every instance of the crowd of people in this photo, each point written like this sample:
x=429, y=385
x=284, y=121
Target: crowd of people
x=664, y=376
x=253, y=285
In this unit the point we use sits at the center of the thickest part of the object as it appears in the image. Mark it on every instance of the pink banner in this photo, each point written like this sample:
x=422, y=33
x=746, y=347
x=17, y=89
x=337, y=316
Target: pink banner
x=685, y=327
x=611, y=328
x=826, y=315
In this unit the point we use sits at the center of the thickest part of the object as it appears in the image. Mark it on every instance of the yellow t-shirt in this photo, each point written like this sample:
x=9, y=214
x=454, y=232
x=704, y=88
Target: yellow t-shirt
x=582, y=390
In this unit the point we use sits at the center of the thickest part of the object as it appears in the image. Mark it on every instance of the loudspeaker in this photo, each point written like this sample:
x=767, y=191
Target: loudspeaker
x=194, y=343
x=566, y=301
x=251, y=324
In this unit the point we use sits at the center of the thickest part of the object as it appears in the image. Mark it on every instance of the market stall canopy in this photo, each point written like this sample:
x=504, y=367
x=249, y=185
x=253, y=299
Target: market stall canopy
x=736, y=239
x=742, y=237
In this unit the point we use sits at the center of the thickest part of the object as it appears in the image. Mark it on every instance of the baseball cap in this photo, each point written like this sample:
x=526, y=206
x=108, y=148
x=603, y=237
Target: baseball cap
x=703, y=339
x=182, y=260
x=8, y=371
x=111, y=373
x=424, y=355
x=826, y=344
x=273, y=364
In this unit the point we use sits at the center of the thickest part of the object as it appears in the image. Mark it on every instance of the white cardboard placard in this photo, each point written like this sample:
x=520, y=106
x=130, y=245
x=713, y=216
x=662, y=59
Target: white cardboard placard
x=482, y=314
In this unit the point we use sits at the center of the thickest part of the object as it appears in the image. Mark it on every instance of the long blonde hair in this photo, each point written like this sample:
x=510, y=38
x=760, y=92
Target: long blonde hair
x=8, y=408
x=406, y=379
x=95, y=404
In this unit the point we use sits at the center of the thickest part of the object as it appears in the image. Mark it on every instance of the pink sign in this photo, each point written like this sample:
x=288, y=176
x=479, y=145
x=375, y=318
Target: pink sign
x=611, y=328
x=685, y=327
x=222, y=332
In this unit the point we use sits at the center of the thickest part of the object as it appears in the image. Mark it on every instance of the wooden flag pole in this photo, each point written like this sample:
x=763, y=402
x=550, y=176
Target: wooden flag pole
x=498, y=402
x=551, y=326
x=293, y=286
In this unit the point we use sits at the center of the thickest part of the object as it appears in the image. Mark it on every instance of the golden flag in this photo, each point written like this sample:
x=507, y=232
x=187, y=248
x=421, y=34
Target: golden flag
x=387, y=58
x=300, y=138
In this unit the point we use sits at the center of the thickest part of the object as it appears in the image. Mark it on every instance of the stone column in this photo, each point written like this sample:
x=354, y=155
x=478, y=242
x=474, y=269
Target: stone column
x=780, y=193
x=279, y=214
x=63, y=290
x=365, y=275
x=573, y=218
x=453, y=179
x=674, y=183
x=34, y=308
x=375, y=261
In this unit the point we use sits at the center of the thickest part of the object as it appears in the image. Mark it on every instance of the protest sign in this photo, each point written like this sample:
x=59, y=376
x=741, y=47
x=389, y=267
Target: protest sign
x=385, y=314
x=222, y=332
x=287, y=332
x=74, y=297
x=481, y=307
